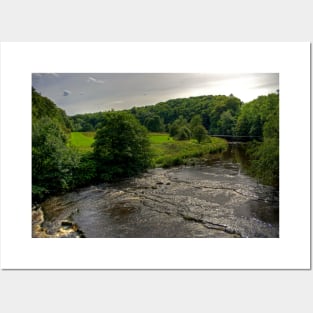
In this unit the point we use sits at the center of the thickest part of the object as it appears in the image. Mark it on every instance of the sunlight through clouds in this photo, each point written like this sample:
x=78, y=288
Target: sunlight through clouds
x=94, y=92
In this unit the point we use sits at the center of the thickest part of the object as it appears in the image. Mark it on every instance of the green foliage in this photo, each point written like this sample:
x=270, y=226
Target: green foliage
x=159, y=138
x=226, y=123
x=177, y=125
x=196, y=120
x=56, y=164
x=39, y=193
x=62, y=161
x=265, y=162
x=52, y=160
x=184, y=133
x=82, y=140
x=199, y=133
x=254, y=114
x=176, y=153
x=88, y=122
x=44, y=107
x=121, y=147
x=164, y=115
x=166, y=152
x=179, y=129
x=223, y=114
x=154, y=123
x=86, y=172
x=265, y=155
x=198, y=130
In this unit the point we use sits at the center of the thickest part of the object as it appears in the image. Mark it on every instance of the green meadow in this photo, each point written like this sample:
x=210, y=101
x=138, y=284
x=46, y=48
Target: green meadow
x=157, y=138
x=82, y=140
x=165, y=150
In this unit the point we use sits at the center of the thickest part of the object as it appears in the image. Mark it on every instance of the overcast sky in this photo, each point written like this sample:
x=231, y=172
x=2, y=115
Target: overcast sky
x=94, y=92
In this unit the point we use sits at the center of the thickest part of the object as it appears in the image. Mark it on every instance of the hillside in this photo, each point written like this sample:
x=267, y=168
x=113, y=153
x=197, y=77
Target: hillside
x=43, y=107
x=53, y=161
x=218, y=114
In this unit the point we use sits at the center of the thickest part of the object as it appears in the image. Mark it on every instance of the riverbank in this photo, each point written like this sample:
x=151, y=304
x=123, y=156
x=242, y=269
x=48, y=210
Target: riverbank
x=65, y=228
x=211, y=200
x=171, y=153
x=166, y=152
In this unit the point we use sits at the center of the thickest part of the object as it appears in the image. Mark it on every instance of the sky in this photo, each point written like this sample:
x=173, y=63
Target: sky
x=78, y=93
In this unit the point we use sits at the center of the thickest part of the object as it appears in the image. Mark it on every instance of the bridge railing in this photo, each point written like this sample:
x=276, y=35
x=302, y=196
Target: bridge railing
x=237, y=138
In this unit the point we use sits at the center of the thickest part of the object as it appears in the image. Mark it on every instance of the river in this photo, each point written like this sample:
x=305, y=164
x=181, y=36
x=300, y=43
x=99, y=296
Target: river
x=214, y=199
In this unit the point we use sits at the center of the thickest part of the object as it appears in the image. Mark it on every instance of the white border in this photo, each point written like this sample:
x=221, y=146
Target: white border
x=290, y=251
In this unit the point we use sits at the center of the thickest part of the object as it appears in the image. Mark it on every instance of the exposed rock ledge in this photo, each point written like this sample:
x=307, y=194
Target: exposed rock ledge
x=66, y=229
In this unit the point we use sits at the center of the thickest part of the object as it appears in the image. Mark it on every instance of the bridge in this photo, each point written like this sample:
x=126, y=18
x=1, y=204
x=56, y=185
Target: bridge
x=237, y=138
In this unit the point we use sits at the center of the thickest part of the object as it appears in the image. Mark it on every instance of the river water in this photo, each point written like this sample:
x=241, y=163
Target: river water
x=214, y=199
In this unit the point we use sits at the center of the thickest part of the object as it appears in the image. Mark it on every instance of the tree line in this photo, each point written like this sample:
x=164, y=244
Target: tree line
x=218, y=114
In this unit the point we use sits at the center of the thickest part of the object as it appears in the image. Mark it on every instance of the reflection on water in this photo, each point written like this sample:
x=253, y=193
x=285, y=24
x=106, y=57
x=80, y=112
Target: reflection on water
x=214, y=200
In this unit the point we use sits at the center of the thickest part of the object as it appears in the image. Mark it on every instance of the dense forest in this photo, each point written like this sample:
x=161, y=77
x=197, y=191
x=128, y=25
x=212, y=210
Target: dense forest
x=218, y=115
x=121, y=147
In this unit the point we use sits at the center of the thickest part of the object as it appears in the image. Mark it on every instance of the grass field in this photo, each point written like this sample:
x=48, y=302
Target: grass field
x=82, y=140
x=156, y=138
x=165, y=150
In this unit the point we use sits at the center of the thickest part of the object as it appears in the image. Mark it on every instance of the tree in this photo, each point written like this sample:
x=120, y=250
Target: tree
x=226, y=123
x=53, y=161
x=184, y=133
x=200, y=133
x=177, y=126
x=195, y=121
x=86, y=173
x=44, y=107
x=121, y=147
x=265, y=154
x=154, y=123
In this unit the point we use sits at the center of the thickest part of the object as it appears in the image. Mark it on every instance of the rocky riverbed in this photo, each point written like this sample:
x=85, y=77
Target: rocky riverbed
x=215, y=200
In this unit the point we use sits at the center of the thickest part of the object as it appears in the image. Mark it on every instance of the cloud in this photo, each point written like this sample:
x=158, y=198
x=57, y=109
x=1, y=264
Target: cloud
x=94, y=80
x=92, y=92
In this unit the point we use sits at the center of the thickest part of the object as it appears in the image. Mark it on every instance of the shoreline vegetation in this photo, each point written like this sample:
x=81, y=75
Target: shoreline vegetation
x=166, y=151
